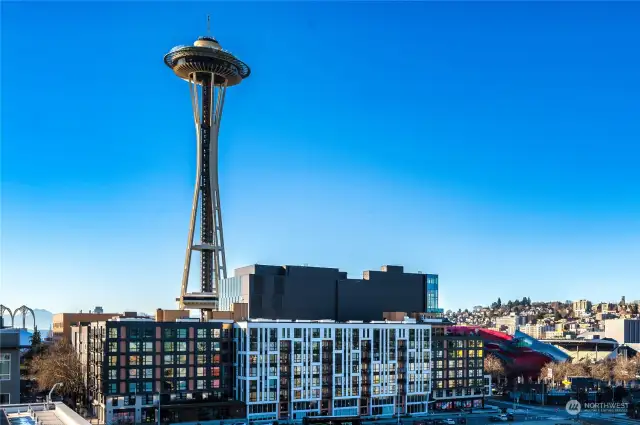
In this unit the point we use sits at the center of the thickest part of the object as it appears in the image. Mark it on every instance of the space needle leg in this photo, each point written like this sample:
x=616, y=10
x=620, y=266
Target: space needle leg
x=196, y=192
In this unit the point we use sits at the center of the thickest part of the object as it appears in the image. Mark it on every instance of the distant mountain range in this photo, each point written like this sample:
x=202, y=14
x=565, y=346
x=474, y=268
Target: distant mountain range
x=44, y=319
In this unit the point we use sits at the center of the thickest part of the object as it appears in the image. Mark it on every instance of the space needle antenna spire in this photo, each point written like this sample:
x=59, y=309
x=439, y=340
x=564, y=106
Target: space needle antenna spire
x=209, y=70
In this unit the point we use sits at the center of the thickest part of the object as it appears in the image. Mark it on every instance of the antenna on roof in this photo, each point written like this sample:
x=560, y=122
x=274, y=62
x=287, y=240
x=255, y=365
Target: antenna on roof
x=209, y=25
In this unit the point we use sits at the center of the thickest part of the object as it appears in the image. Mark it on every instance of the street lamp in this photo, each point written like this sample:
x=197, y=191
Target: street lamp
x=56, y=385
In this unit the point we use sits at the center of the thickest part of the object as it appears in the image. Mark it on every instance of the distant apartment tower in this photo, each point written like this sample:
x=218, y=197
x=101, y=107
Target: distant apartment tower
x=581, y=307
x=625, y=331
x=315, y=293
x=510, y=323
x=290, y=369
x=132, y=363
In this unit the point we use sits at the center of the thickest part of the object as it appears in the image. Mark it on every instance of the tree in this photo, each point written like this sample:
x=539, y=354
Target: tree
x=625, y=370
x=493, y=366
x=557, y=316
x=59, y=363
x=602, y=370
x=36, y=339
x=499, y=302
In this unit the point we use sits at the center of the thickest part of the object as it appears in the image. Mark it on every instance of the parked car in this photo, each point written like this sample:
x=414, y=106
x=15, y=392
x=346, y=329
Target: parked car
x=498, y=418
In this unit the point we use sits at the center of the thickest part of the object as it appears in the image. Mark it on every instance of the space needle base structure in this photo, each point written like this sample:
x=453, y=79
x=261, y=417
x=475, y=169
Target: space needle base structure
x=209, y=70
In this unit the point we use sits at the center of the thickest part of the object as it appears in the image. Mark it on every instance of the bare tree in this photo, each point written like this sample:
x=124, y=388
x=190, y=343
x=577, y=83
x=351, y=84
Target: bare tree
x=493, y=366
x=602, y=370
x=59, y=363
x=576, y=369
x=625, y=370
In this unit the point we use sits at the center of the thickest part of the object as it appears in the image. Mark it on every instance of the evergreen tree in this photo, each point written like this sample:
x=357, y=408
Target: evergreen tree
x=36, y=339
x=499, y=303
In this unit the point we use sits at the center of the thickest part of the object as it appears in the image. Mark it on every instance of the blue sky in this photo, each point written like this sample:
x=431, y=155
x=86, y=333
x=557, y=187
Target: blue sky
x=496, y=144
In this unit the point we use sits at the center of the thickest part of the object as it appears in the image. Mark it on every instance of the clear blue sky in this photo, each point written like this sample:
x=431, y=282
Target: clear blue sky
x=496, y=144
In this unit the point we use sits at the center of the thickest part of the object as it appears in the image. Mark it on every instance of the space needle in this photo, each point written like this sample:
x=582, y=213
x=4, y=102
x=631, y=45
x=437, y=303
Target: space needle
x=209, y=70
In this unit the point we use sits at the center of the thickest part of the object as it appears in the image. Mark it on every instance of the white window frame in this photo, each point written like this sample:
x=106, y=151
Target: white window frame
x=6, y=358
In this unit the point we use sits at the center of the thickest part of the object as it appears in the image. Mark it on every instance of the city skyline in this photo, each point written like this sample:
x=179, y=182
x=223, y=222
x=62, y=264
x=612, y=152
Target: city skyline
x=505, y=163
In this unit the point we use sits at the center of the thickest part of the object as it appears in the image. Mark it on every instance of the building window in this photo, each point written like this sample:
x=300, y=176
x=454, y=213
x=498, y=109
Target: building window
x=215, y=333
x=200, y=371
x=113, y=332
x=182, y=385
x=133, y=373
x=148, y=387
x=113, y=374
x=113, y=360
x=182, y=333
x=5, y=366
x=201, y=333
x=147, y=346
x=113, y=347
x=169, y=347
x=201, y=359
x=147, y=373
x=201, y=384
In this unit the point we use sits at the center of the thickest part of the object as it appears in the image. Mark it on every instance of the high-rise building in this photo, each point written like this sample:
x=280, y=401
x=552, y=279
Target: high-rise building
x=315, y=293
x=291, y=369
x=581, y=307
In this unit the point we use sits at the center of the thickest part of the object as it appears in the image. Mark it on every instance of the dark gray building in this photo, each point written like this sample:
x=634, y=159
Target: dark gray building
x=9, y=366
x=315, y=293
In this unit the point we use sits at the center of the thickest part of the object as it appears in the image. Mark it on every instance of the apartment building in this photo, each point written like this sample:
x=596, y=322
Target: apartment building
x=581, y=307
x=457, y=367
x=133, y=365
x=286, y=370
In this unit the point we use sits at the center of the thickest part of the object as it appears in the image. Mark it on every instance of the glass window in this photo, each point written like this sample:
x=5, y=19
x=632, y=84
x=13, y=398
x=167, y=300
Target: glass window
x=169, y=347
x=201, y=333
x=182, y=333
x=181, y=346
x=215, y=333
x=113, y=332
